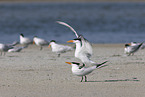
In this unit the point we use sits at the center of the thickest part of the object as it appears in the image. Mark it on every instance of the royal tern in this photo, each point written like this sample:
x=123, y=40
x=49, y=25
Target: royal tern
x=59, y=48
x=83, y=50
x=130, y=50
x=83, y=46
x=25, y=40
x=16, y=49
x=4, y=48
x=82, y=70
x=40, y=42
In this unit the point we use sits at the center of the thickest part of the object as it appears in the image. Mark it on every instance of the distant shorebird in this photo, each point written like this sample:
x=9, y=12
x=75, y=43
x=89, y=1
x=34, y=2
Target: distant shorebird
x=25, y=40
x=82, y=70
x=59, y=48
x=136, y=43
x=4, y=48
x=40, y=42
x=130, y=50
x=17, y=49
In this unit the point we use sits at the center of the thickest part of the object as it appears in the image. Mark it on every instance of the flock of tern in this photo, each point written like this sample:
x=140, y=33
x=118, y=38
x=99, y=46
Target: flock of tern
x=83, y=51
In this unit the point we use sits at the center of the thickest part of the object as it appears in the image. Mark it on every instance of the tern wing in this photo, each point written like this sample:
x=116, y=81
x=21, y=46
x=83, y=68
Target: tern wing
x=65, y=24
x=80, y=67
x=86, y=46
x=135, y=48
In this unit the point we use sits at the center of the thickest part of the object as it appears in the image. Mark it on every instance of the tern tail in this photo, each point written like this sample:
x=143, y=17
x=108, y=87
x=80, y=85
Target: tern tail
x=101, y=65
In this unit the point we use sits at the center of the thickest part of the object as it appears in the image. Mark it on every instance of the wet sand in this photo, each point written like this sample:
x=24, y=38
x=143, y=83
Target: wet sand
x=35, y=73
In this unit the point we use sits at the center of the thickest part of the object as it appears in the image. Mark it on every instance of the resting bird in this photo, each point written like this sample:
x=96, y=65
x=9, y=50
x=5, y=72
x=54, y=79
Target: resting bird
x=17, y=49
x=25, y=40
x=4, y=48
x=130, y=50
x=57, y=48
x=40, y=42
x=82, y=70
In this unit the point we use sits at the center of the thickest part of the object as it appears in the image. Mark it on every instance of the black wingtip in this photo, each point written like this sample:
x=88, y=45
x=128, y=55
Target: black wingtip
x=101, y=65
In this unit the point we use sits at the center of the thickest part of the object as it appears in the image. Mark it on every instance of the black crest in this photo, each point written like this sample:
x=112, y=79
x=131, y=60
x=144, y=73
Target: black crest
x=52, y=41
x=22, y=35
x=76, y=63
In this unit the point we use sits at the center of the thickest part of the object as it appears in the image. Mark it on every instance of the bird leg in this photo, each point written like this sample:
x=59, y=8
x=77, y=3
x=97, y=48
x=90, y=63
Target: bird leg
x=85, y=78
x=4, y=53
x=58, y=55
x=41, y=48
x=82, y=79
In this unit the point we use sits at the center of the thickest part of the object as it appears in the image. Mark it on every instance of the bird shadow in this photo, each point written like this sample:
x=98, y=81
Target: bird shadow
x=116, y=80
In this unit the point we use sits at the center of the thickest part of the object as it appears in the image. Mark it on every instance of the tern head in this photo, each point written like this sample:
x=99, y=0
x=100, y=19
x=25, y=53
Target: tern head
x=22, y=35
x=126, y=45
x=34, y=37
x=51, y=42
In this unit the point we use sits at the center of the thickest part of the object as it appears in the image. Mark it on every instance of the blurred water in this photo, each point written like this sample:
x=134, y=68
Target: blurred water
x=98, y=22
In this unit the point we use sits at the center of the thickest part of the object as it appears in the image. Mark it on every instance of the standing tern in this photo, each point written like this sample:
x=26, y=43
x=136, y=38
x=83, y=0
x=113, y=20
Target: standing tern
x=130, y=50
x=59, y=48
x=40, y=42
x=83, y=46
x=82, y=70
x=25, y=40
x=82, y=52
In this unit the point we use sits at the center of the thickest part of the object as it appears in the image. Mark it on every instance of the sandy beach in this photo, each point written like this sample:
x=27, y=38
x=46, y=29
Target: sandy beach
x=35, y=73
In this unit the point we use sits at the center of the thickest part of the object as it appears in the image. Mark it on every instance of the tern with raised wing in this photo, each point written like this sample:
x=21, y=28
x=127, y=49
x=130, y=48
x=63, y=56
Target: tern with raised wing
x=81, y=70
x=83, y=46
x=58, y=48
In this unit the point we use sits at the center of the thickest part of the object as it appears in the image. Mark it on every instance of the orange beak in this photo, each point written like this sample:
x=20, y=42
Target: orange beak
x=68, y=63
x=129, y=43
x=33, y=42
x=70, y=41
x=49, y=46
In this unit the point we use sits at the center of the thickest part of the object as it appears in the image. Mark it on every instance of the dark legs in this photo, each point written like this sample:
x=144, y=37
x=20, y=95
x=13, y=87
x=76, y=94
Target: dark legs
x=83, y=78
x=58, y=55
x=2, y=53
x=41, y=48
